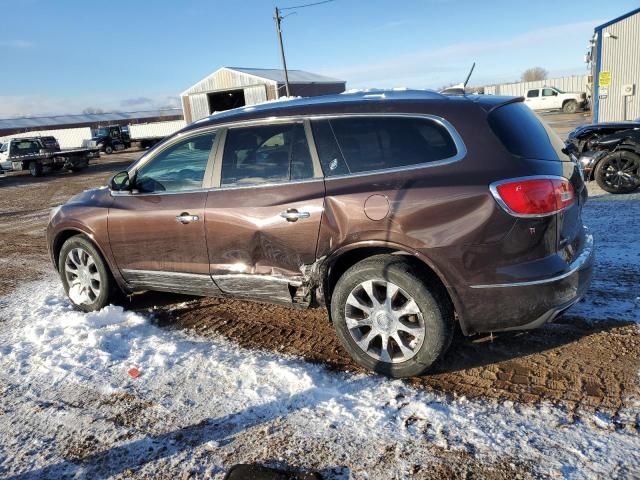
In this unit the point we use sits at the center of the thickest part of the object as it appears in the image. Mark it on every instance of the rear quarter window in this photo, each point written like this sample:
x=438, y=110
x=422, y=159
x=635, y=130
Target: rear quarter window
x=366, y=144
x=524, y=134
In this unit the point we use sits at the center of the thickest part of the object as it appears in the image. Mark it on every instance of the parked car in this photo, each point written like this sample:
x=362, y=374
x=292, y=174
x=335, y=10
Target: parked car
x=552, y=98
x=609, y=153
x=402, y=213
x=50, y=143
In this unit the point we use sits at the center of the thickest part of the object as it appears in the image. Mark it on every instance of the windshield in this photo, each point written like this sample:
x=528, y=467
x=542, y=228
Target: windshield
x=102, y=132
x=558, y=90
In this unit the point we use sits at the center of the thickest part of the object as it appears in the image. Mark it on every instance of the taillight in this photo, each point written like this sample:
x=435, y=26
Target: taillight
x=534, y=196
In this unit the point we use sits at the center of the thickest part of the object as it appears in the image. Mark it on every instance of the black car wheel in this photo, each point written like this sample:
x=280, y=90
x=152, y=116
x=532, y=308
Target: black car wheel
x=35, y=169
x=570, y=107
x=108, y=149
x=619, y=172
x=390, y=317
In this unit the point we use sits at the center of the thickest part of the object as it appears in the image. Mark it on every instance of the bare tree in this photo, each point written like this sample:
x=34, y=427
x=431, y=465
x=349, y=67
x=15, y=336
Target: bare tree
x=533, y=74
x=92, y=110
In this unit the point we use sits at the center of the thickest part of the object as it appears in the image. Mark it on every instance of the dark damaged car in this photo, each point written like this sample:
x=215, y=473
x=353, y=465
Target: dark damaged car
x=402, y=213
x=609, y=153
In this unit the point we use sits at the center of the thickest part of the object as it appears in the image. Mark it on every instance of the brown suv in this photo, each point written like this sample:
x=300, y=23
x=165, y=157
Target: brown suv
x=403, y=213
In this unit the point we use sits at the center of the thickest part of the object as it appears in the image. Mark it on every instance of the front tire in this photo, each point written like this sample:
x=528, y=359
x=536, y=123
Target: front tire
x=108, y=149
x=85, y=276
x=390, y=317
x=618, y=172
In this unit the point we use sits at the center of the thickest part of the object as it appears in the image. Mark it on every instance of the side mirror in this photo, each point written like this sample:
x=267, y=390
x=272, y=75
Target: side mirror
x=121, y=181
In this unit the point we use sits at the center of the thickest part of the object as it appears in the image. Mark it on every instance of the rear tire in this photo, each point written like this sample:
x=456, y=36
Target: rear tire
x=618, y=172
x=379, y=336
x=85, y=276
x=35, y=169
x=570, y=107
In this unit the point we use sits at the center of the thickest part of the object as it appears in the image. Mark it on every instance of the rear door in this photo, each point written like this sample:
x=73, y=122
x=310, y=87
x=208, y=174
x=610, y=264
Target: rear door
x=262, y=221
x=533, y=99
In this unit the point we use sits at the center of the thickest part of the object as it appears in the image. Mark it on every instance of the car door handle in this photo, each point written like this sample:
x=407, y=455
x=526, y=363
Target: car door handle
x=292, y=215
x=185, y=218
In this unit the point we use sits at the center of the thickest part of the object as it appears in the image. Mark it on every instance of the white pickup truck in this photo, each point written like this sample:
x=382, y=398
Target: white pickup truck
x=552, y=98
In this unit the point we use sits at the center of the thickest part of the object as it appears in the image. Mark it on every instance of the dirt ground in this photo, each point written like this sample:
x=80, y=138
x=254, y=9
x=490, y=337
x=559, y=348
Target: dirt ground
x=573, y=363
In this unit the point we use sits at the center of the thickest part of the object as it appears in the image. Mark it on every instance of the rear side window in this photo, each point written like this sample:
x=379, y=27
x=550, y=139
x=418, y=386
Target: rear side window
x=524, y=134
x=361, y=144
x=533, y=93
x=266, y=154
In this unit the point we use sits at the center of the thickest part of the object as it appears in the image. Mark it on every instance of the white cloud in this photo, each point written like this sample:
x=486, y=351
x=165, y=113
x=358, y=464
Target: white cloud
x=501, y=59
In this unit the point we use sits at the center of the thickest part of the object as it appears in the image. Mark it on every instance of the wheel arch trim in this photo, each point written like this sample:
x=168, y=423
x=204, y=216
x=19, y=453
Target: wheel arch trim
x=402, y=249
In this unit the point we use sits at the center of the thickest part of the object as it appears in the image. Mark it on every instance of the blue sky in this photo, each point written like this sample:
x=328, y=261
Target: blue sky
x=66, y=55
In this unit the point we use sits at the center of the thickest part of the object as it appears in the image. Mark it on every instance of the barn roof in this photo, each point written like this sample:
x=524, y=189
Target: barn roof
x=295, y=76
x=63, y=120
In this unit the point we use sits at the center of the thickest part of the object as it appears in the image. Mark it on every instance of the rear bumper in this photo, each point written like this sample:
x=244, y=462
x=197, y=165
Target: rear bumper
x=524, y=305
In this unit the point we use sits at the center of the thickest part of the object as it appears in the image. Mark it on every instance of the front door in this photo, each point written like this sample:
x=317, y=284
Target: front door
x=550, y=98
x=262, y=222
x=157, y=232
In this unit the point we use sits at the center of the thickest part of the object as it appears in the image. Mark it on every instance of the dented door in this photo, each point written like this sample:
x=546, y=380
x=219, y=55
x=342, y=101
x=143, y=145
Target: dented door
x=257, y=246
x=262, y=221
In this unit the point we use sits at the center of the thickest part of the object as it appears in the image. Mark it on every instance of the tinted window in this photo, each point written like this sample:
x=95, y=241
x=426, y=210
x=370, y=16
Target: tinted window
x=352, y=145
x=25, y=147
x=533, y=93
x=266, y=154
x=524, y=134
x=180, y=167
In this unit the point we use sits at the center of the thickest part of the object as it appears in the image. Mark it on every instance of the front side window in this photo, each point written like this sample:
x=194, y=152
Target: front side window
x=266, y=154
x=353, y=145
x=179, y=167
x=3, y=147
x=548, y=92
x=533, y=93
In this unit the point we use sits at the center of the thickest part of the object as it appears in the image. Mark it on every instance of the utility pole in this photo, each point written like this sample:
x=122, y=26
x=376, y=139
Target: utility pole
x=278, y=20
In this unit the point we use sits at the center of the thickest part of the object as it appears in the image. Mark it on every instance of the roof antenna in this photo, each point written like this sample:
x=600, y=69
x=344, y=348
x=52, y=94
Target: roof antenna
x=469, y=76
x=460, y=88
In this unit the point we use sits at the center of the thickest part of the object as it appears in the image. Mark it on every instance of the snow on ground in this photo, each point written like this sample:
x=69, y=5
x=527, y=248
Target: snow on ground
x=68, y=406
x=200, y=394
x=614, y=221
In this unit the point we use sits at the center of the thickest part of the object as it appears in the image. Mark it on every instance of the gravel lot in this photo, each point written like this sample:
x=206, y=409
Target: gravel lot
x=585, y=365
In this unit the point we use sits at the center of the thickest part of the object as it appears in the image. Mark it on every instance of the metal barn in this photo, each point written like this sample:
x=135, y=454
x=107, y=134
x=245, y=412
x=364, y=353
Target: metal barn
x=615, y=61
x=232, y=87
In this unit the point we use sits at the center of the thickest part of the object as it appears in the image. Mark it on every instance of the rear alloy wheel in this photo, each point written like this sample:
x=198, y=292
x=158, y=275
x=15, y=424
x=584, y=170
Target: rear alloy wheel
x=570, y=107
x=619, y=172
x=85, y=277
x=390, y=318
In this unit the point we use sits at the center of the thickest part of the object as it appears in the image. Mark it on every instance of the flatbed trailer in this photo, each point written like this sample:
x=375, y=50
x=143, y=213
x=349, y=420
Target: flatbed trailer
x=43, y=160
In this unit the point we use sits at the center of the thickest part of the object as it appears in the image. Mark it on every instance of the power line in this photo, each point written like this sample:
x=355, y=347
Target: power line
x=278, y=20
x=308, y=5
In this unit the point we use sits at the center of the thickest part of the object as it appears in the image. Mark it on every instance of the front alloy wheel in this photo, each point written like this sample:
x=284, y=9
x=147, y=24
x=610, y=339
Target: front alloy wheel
x=619, y=172
x=82, y=276
x=85, y=276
